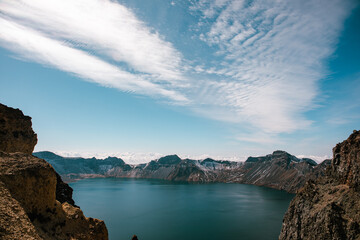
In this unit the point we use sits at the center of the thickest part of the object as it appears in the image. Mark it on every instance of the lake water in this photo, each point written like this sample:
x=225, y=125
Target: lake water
x=161, y=210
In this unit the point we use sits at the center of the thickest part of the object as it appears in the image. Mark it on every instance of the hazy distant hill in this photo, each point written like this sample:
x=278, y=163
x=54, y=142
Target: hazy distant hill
x=279, y=170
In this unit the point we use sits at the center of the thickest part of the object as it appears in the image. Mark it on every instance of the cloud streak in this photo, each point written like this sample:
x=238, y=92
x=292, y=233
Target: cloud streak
x=104, y=26
x=266, y=56
x=273, y=56
x=32, y=45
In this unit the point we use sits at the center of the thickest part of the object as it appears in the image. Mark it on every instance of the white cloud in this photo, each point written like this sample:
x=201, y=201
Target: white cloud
x=269, y=55
x=259, y=138
x=274, y=54
x=318, y=159
x=32, y=45
x=104, y=26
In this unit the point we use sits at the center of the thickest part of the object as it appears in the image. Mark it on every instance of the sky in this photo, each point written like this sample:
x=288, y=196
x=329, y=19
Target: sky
x=225, y=79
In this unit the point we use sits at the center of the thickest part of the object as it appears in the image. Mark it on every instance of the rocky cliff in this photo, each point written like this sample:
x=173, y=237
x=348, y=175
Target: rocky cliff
x=34, y=202
x=278, y=170
x=16, y=133
x=329, y=207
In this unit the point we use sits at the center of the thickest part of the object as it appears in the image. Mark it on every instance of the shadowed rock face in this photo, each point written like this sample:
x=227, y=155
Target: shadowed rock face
x=34, y=202
x=170, y=159
x=329, y=208
x=16, y=134
x=63, y=191
x=345, y=166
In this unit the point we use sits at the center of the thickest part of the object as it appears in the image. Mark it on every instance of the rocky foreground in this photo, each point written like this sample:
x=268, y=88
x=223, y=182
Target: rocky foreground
x=278, y=170
x=329, y=207
x=34, y=202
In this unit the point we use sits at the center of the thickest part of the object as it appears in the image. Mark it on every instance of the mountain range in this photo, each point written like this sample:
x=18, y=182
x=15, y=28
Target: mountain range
x=279, y=170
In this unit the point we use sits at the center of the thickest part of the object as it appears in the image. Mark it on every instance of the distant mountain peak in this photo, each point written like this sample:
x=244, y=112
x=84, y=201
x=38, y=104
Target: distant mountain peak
x=280, y=155
x=280, y=152
x=46, y=155
x=169, y=159
x=208, y=160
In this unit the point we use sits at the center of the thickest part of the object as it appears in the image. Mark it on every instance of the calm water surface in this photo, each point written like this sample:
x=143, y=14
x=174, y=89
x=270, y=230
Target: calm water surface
x=161, y=210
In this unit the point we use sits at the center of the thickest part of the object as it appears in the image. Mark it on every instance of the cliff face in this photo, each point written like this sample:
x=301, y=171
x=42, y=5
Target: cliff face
x=345, y=167
x=329, y=208
x=16, y=133
x=34, y=202
x=279, y=170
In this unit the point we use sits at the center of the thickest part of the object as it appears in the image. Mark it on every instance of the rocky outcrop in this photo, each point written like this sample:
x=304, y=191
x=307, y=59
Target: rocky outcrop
x=63, y=191
x=278, y=170
x=34, y=202
x=329, y=207
x=281, y=170
x=345, y=167
x=16, y=133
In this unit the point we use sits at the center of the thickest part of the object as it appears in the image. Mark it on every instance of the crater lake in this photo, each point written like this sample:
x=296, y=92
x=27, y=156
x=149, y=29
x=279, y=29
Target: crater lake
x=163, y=210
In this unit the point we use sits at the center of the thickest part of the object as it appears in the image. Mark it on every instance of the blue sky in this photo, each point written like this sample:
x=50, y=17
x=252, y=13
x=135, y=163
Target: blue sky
x=140, y=79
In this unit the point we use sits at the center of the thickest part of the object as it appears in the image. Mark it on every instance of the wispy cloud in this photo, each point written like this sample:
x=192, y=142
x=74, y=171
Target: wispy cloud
x=32, y=45
x=268, y=58
x=318, y=159
x=259, y=138
x=274, y=54
x=63, y=34
x=103, y=26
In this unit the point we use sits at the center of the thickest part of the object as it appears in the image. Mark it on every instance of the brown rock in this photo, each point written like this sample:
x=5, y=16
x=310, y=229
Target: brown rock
x=329, y=208
x=16, y=134
x=14, y=222
x=63, y=191
x=34, y=202
x=28, y=192
x=346, y=162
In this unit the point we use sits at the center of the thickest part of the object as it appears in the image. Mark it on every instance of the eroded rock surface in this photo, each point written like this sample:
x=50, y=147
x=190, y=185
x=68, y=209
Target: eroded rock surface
x=329, y=208
x=34, y=202
x=16, y=133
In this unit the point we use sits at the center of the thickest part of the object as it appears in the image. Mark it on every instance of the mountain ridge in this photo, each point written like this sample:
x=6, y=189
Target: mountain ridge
x=279, y=170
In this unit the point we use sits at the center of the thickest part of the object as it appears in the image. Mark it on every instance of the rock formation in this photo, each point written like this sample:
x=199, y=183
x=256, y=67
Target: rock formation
x=16, y=133
x=279, y=170
x=329, y=207
x=34, y=202
x=134, y=237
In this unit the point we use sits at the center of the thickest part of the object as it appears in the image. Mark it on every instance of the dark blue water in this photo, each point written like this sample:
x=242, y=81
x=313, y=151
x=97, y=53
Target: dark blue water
x=161, y=210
